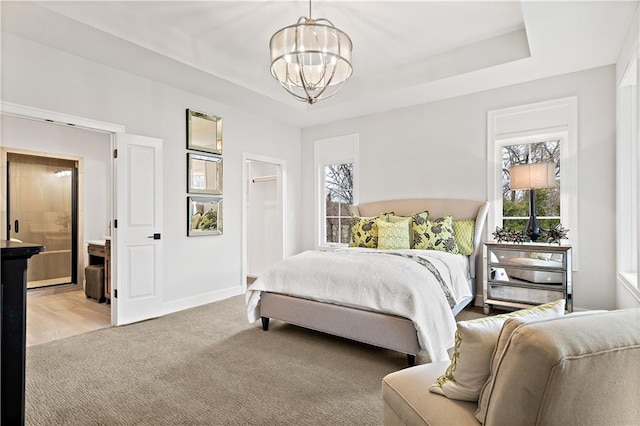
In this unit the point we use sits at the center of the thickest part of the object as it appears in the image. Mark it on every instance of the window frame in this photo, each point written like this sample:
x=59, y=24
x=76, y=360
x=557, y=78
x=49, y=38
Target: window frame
x=627, y=175
x=336, y=150
x=323, y=213
x=515, y=125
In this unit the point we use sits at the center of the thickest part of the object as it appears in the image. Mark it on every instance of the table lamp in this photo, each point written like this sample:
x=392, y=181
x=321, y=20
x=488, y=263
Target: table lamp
x=531, y=177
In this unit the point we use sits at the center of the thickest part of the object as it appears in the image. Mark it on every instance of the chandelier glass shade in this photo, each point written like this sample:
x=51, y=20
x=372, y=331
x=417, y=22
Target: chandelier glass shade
x=311, y=59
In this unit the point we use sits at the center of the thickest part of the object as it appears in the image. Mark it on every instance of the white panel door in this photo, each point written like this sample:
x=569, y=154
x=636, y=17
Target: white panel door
x=138, y=234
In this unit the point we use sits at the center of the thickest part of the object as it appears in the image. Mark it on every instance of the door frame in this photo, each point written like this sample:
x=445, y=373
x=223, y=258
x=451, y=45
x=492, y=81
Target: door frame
x=247, y=156
x=56, y=118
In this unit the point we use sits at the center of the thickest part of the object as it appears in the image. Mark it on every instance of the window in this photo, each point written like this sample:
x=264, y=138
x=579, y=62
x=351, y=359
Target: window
x=534, y=133
x=515, y=204
x=336, y=183
x=338, y=196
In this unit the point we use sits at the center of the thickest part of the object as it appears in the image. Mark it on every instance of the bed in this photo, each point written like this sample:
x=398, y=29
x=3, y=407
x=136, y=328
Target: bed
x=392, y=330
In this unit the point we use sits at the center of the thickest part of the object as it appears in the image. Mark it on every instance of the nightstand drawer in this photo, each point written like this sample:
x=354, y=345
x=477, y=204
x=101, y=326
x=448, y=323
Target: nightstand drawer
x=523, y=294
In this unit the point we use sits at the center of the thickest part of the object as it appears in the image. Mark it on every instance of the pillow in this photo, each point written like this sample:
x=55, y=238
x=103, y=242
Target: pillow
x=393, y=218
x=393, y=235
x=364, y=230
x=474, y=345
x=464, y=230
x=436, y=235
x=510, y=325
x=418, y=221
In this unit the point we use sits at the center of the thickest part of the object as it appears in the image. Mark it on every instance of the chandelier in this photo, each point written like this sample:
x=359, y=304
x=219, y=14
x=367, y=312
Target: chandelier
x=311, y=59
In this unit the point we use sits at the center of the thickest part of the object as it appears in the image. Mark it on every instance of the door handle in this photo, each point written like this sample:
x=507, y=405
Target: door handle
x=155, y=236
x=16, y=226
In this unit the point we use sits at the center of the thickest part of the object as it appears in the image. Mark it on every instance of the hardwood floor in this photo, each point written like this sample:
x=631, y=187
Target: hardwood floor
x=60, y=314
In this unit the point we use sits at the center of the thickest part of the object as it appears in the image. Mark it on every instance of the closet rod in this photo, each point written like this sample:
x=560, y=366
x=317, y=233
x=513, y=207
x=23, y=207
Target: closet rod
x=264, y=178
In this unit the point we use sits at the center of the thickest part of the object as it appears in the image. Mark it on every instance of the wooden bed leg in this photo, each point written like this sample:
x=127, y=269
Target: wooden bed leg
x=265, y=323
x=411, y=360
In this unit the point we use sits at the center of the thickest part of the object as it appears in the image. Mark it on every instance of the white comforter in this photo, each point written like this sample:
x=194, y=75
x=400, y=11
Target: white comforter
x=372, y=280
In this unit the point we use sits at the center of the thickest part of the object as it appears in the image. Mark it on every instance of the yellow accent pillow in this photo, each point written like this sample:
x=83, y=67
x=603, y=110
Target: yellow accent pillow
x=393, y=235
x=464, y=230
x=436, y=235
x=364, y=230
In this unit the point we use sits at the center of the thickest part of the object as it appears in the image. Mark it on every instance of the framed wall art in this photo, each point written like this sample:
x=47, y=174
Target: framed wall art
x=204, y=132
x=204, y=216
x=204, y=174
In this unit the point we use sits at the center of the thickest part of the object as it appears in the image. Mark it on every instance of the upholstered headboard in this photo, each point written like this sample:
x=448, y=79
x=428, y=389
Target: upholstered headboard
x=458, y=208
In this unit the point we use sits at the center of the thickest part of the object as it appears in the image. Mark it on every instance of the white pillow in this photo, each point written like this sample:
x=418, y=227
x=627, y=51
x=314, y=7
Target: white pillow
x=474, y=346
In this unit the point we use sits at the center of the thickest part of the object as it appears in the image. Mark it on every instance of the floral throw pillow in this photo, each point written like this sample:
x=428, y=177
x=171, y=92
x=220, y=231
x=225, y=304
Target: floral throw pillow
x=436, y=235
x=364, y=230
x=418, y=223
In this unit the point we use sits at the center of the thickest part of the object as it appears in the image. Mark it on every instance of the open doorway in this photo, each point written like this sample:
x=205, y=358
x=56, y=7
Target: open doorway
x=45, y=170
x=264, y=212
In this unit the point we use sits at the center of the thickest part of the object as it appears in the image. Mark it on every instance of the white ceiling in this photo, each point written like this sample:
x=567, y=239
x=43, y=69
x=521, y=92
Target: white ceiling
x=405, y=52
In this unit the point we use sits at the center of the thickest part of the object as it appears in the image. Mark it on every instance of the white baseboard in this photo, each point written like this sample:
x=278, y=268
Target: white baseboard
x=201, y=299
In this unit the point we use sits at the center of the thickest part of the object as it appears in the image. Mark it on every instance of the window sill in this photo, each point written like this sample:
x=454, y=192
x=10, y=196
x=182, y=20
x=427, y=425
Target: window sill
x=331, y=247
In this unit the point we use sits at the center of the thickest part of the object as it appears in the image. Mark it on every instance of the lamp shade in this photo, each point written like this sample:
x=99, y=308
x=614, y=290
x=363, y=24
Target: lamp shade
x=532, y=176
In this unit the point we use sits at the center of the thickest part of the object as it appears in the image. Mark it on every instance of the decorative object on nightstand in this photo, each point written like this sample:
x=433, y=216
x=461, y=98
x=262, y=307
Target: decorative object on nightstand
x=525, y=275
x=531, y=177
x=501, y=234
x=555, y=234
x=509, y=235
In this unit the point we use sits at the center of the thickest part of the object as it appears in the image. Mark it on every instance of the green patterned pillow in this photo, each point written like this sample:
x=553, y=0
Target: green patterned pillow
x=436, y=235
x=464, y=230
x=364, y=230
x=393, y=235
x=418, y=222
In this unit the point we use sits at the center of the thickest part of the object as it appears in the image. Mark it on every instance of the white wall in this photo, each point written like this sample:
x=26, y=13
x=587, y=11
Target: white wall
x=93, y=147
x=196, y=270
x=439, y=150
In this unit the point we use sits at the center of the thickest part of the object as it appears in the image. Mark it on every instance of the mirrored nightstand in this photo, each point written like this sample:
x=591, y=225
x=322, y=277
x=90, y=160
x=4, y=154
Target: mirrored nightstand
x=525, y=275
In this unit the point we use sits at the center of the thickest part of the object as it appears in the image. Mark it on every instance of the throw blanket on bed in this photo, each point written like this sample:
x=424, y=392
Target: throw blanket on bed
x=365, y=279
x=431, y=268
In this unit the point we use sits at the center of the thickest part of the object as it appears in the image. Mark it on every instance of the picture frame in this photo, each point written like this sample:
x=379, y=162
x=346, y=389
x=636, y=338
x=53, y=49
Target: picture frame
x=204, y=174
x=204, y=216
x=204, y=132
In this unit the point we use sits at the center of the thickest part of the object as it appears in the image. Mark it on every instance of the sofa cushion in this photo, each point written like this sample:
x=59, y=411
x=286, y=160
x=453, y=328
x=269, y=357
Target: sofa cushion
x=576, y=370
x=407, y=400
x=474, y=345
x=510, y=325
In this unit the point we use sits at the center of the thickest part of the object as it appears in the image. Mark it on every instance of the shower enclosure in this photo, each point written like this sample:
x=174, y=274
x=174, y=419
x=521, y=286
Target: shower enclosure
x=42, y=199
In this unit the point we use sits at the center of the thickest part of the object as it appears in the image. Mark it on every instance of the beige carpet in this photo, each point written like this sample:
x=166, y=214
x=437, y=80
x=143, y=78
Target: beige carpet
x=207, y=366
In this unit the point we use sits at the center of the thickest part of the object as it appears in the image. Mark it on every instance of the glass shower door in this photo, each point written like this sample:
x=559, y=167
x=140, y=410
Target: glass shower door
x=42, y=209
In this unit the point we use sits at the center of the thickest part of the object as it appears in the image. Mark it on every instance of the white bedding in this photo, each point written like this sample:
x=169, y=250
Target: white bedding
x=375, y=281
